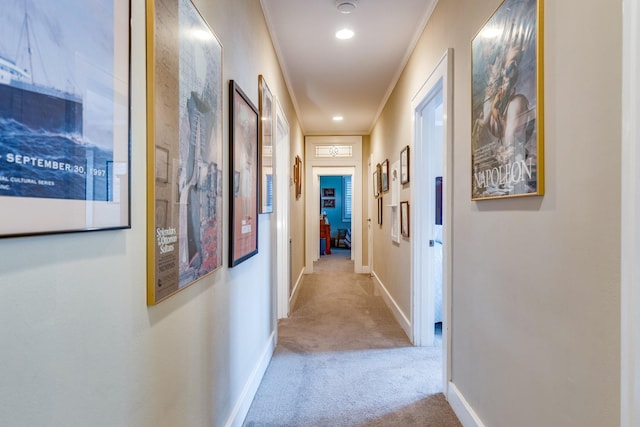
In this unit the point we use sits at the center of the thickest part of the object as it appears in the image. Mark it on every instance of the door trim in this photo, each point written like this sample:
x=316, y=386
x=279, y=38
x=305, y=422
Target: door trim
x=442, y=72
x=312, y=194
x=282, y=258
x=630, y=218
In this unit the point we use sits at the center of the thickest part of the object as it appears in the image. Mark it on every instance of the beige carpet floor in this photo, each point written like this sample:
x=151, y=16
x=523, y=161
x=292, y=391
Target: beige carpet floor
x=343, y=360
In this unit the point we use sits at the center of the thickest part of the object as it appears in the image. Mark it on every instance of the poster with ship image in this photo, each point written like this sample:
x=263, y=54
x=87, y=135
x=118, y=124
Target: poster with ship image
x=184, y=148
x=64, y=116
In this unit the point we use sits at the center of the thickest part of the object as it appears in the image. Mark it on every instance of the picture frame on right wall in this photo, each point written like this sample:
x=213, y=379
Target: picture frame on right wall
x=384, y=176
x=404, y=165
x=404, y=219
x=507, y=156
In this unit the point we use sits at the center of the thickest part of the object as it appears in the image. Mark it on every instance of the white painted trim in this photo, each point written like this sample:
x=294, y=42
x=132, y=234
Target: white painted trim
x=312, y=194
x=283, y=176
x=296, y=288
x=630, y=218
x=461, y=407
x=402, y=319
x=444, y=71
x=241, y=408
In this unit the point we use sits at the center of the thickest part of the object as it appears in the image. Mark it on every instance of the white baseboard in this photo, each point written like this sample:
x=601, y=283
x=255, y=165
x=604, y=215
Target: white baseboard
x=461, y=407
x=296, y=289
x=363, y=269
x=393, y=306
x=241, y=409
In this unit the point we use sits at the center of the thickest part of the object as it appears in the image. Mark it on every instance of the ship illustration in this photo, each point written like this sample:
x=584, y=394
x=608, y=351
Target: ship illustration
x=36, y=106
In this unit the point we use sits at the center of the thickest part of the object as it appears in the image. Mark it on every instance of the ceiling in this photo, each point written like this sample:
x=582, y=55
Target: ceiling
x=350, y=78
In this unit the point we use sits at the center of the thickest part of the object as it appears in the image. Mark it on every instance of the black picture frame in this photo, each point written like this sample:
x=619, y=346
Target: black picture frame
x=243, y=176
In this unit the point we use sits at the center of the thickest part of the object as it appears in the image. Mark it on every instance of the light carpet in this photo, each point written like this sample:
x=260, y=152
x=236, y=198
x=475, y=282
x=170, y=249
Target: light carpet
x=343, y=360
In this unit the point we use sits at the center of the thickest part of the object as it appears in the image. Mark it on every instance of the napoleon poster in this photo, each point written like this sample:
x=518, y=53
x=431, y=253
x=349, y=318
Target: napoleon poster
x=507, y=114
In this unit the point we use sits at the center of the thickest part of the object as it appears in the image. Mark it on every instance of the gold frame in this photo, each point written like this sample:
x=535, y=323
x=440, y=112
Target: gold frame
x=193, y=215
x=503, y=165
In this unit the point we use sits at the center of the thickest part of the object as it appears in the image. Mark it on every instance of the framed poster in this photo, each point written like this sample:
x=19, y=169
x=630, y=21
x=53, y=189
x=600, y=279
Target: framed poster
x=184, y=149
x=243, y=155
x=507, y=108
x=404, y=219
x=384, y=176
x=64, y=117
x=265, y=104
x=404, y=165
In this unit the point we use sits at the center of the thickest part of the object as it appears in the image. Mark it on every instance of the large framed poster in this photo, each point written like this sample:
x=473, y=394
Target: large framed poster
x=184, y=148
x=507, y=108
x=265, y=105
x=64, y=116
x=243, y=210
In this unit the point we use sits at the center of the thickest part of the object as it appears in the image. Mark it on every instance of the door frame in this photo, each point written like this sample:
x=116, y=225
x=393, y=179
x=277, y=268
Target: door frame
x=442, y=73
x=282, y=237
x=630, y=218
x=316, y=148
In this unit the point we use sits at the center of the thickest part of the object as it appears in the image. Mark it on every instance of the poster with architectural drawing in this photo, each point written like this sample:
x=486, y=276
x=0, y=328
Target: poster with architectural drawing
x=184, y=148
x=507, y=155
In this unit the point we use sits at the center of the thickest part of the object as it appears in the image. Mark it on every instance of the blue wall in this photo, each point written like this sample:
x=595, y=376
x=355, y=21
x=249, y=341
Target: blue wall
x=334, y=214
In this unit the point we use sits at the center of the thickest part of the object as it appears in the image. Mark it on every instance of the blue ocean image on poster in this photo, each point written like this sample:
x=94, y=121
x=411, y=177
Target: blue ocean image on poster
x=36, y=163
x=56, y=99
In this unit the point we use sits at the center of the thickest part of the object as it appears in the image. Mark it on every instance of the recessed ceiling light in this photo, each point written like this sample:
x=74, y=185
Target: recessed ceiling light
x=344, y=34
x=338, y=118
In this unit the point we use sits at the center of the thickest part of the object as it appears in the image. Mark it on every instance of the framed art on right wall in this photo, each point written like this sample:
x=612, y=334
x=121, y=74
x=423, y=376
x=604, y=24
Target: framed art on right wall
x=507, y=158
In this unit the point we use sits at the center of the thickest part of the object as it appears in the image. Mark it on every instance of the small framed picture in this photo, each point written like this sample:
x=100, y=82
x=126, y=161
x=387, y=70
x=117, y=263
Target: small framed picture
x=380, y=210
x=404, y=219
x=384, y=177
x=404, y=165
x=328, y=203
x=328, y=192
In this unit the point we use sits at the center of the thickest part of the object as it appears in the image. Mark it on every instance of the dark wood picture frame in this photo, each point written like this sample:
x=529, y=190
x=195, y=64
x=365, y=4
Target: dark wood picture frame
x=404, y=219
x=404, y=165
x=384, y=176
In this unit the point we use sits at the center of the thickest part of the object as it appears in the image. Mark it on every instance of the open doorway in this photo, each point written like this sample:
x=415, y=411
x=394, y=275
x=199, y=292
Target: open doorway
x=333, y=156
x=431, y=195
x=335, y=214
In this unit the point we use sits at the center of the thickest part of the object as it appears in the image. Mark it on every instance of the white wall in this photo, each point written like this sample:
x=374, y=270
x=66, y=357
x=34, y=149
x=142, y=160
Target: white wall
x=536, y=281
x=80, y=347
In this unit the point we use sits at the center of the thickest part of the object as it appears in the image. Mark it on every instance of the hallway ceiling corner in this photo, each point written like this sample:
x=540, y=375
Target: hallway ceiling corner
x=352, y=78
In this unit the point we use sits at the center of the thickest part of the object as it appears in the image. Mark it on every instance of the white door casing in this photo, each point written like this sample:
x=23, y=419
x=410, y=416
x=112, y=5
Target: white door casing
x=282, y=258
x=422, y=326
x=331, y=152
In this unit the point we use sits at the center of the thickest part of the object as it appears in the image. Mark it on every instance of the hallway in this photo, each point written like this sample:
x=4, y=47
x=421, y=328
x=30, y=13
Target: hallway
x=342, y=360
